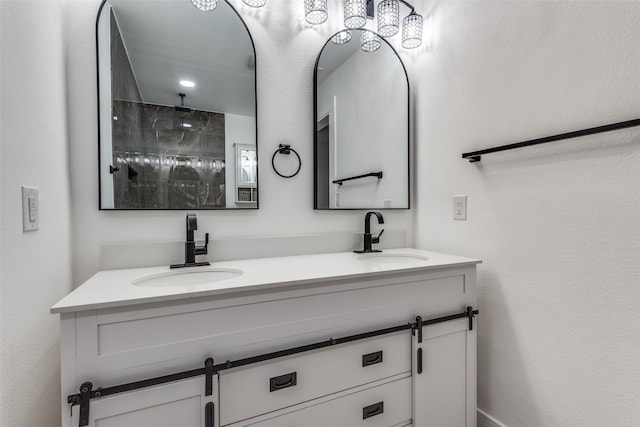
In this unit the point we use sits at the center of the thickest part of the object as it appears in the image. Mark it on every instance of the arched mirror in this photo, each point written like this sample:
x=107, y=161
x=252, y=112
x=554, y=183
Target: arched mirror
x=177, y=102
x=361, y=124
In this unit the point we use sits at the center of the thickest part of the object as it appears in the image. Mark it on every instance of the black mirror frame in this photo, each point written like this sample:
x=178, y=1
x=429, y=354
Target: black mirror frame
x=315, y=134
x=255, y=89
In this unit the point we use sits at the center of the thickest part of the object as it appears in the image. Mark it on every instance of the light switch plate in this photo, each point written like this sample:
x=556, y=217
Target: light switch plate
x=460, y=207
x=30, y=209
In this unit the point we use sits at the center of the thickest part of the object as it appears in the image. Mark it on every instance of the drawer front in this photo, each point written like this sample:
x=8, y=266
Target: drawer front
x=382, y=406
x=252, y=391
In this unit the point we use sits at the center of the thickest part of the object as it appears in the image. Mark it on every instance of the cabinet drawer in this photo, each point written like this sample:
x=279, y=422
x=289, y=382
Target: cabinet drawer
x=382, y=406
x=258, y=389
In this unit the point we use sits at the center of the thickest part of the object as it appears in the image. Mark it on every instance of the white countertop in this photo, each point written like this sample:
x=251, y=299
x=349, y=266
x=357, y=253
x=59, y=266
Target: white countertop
x=114, y=288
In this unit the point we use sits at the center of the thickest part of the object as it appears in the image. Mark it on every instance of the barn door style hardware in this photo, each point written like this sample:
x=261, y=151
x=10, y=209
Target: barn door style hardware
x=210, y=369
x=209, y=373
x=469, y=313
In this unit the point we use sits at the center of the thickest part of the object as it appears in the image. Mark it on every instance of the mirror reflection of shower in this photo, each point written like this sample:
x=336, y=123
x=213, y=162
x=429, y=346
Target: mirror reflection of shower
x=168, y=157
x=174, y=101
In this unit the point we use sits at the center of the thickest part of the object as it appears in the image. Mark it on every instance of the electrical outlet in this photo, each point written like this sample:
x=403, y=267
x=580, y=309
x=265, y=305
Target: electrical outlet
x=30, y=209
x=460, y=207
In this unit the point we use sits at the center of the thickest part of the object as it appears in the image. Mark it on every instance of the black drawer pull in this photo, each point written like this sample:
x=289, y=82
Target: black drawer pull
x=419, y=360
x=283, y=381
x=371, y=358
x=372, y=410
x=208, y=414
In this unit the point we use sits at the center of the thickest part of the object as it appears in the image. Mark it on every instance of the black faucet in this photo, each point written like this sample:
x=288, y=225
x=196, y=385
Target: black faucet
x=368, y=239
x=190, y=248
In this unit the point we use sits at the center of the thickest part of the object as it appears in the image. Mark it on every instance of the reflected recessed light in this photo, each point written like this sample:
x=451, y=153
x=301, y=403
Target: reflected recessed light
x=187, y=83
x=187, y=125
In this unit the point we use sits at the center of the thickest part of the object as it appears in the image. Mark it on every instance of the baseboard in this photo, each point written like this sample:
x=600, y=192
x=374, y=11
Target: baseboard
x=486, y=420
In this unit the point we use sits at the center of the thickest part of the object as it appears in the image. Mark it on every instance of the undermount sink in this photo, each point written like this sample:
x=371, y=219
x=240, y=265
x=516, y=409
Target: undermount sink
x=384, y=258
x=191, y=276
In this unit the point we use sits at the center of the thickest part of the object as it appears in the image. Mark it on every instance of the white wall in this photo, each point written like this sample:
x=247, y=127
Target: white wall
x=557, y=225
x=286, y=49
x=34, y=267
x=1, y=323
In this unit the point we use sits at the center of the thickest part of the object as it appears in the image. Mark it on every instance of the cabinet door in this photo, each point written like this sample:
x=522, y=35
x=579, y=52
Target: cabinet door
x=180, y=403
x=444, y=392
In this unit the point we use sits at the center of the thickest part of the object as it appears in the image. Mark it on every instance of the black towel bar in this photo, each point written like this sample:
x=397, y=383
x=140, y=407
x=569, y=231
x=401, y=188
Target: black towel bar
x=376, y=174
x=475, y=156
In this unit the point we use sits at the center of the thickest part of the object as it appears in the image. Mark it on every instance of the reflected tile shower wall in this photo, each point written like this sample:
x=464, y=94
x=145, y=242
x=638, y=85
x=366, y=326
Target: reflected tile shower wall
x=168, y=159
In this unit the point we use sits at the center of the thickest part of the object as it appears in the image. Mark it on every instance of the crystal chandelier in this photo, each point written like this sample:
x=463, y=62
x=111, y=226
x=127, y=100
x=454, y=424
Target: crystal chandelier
x=388, y=18
x=356, y=13
x=412, y=31
x=315, y=11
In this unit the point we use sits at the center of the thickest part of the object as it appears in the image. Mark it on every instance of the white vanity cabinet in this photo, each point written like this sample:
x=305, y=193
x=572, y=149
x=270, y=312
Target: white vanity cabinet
x=386, y=377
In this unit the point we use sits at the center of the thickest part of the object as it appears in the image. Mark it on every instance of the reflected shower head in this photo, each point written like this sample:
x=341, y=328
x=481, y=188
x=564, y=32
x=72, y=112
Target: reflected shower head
x=182, y=107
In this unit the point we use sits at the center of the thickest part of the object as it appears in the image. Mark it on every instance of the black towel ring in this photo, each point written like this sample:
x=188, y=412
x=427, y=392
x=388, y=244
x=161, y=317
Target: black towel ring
x=286, y=149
